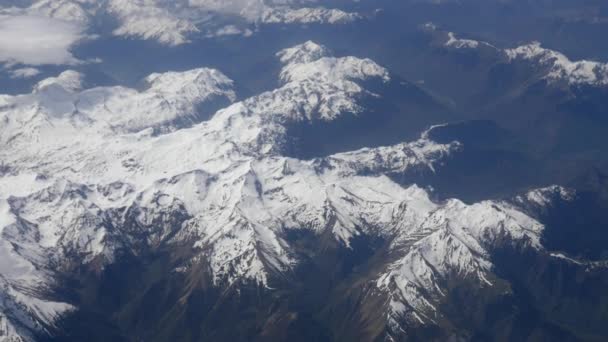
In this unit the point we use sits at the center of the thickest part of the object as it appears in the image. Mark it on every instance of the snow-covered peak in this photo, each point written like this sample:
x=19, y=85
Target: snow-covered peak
x=561, y=67
x=192, y=84
x=307, y=15
x=555, y=65
x=303, y=53
x=328, y=84
x=162, y=21
x=314, y=88
x=59, y=104
x=330, y=70
x=541, y=198
x=529, y=51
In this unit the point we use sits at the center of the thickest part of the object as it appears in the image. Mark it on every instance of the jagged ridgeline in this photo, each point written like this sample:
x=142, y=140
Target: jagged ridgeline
x=145, y=223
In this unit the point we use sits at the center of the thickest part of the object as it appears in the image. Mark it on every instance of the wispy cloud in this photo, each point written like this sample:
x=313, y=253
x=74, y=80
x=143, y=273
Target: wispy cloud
x=24, y=73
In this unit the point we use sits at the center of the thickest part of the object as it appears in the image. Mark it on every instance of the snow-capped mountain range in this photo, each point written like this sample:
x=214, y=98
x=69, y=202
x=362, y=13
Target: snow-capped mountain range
x=86, y=173
x=561, y=67
x=556, y=66
x=174, y=22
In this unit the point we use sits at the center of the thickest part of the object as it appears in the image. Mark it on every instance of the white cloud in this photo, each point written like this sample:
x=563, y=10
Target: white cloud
x=37, y=40
x=24, y=73
x=231, y=30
